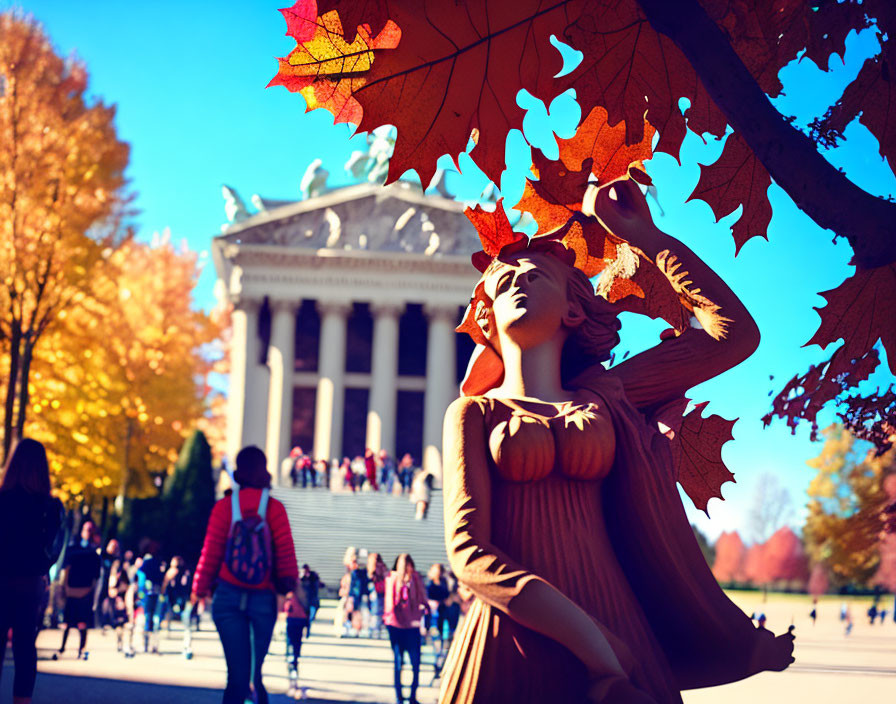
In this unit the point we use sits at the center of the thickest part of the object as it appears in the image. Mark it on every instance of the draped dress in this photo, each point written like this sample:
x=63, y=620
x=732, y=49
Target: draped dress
x=541, y=503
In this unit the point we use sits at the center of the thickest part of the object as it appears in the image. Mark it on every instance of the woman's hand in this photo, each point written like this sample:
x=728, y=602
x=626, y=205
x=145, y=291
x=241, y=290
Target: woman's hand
x=772, y=652
x=623, y=209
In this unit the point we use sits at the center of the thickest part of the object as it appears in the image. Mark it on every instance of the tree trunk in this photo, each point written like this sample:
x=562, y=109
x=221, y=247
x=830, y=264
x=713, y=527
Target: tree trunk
x=15, y=340
x=125, y=483
x=24, y=373
x=792, y=158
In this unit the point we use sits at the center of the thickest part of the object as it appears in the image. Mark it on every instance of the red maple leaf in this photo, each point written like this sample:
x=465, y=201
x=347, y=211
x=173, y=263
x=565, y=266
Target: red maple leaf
x=860, y=311
x=697, y=455
x=457, y=70
x=354, y=13
x=494, y=230
x=737, y=177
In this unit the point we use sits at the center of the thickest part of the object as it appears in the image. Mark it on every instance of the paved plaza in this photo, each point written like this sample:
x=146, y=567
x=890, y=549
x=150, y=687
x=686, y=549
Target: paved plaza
x=830, y=668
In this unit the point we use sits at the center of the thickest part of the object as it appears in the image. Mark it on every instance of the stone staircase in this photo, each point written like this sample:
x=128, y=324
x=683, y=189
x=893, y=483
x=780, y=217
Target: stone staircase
x=324, y=523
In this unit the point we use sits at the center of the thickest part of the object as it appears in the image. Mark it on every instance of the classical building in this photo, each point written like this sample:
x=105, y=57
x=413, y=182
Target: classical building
x=345, y=305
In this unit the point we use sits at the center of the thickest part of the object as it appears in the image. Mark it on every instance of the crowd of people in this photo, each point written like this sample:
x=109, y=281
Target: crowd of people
x=374, y=471
x=377, y=602
x=246, y=578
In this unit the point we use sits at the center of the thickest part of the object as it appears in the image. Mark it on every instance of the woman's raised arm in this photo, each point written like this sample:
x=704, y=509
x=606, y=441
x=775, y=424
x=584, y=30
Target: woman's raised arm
x=488, y=572
x=665, y=372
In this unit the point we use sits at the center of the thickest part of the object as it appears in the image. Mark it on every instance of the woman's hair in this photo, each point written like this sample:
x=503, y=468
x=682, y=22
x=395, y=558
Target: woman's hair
x=436, y=572
x=27, y=468
x=252, y=469
x=351, y=555
x=372, y=559
x=591, y=341
x=403, y=560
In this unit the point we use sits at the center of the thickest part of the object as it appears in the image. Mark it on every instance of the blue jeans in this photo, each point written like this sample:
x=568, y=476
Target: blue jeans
x=150, y=611
x=312, y=612
x=245, y=621
x=405, y=640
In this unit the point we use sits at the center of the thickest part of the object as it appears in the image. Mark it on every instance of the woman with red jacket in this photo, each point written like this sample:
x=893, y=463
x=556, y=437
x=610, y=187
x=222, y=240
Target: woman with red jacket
x=246, y=600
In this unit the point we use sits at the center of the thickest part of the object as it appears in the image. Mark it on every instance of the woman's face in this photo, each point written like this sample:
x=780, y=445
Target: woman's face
x=529, y=298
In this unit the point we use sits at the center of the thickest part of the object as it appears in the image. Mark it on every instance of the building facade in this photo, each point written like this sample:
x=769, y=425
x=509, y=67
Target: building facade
x=344, y=309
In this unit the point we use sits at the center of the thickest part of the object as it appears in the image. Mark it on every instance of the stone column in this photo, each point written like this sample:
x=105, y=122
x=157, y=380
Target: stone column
x=441, y=386
x=247, y=403
x=281, y=362
x=328, y=409
x=383, y=378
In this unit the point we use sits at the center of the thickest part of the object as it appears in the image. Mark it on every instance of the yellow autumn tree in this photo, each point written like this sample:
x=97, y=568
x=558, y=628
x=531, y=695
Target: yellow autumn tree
x=61, y=195
x=125, y=378
x=843, y=525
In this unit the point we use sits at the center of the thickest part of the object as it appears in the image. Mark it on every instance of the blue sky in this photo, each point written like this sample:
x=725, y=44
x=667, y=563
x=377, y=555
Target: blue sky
x=189, y=86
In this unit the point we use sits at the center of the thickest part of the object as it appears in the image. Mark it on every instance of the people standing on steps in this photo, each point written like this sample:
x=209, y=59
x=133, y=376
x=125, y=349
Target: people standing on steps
x=405, y=608
x=248, y=553
x=30, y=530
x=370, y=469
x=406, y=472
x=81, y=571
x=421, y=493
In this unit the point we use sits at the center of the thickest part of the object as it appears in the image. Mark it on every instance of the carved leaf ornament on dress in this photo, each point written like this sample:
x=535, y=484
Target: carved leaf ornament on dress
x=447, y=73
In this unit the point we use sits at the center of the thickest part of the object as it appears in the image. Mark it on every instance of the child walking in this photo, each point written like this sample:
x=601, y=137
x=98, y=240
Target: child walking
x=296, y=623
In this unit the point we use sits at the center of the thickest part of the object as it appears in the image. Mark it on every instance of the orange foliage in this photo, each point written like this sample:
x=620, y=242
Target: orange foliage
x=61, y=190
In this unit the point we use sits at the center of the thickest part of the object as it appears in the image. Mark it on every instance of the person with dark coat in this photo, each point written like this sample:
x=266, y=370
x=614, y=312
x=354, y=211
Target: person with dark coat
x=30, y=530
x=81, y=571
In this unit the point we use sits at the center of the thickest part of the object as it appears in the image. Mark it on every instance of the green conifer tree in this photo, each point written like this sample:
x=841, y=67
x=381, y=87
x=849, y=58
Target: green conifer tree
x=188, y=497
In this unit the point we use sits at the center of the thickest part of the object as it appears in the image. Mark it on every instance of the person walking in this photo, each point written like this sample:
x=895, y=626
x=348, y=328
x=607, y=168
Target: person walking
x=405, y=607
x=376, y=577
x=295, y=609
x=30, y=526
x=81, y=571
x=102, y=608
x=437, y=592
x=248, y=551
x=175, y=592
x=311, y=584
x=150, y=576
x=121, y=611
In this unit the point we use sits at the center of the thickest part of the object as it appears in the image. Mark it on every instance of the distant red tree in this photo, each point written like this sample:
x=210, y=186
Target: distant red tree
x=886, y=573
x=818, y=580
x=730, y=555
x=784, y=559
x=754, y=569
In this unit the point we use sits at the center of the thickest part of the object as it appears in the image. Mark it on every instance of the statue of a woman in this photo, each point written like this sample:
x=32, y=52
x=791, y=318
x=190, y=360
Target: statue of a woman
x=562, y=513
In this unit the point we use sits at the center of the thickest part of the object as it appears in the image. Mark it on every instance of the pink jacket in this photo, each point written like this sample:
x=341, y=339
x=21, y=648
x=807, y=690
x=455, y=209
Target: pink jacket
x=405, y=601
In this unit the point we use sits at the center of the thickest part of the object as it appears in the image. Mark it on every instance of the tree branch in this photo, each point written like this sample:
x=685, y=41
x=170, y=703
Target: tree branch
x=818, y=188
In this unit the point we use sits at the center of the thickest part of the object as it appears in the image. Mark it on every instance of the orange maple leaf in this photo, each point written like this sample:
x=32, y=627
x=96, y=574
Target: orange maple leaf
x=325, y=68
x=605, y=145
